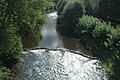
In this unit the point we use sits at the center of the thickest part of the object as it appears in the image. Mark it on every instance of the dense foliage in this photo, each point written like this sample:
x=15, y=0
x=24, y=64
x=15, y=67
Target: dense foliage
x=19, y=19
x=107, y=10
x=69, y=13
x=96, y=24
x=99, y=30
x=88, y=24
x=103, y=39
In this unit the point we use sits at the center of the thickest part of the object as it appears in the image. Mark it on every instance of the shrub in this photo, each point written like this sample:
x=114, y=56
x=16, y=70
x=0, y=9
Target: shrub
x=71, y=13
x=114, y=38
x=86, y=24
x=102, y=31
x=108, y=35
x=10, y=47
x=5, y=74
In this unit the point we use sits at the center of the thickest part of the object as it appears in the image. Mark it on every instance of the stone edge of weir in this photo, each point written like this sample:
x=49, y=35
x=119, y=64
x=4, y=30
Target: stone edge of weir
x=63, y=49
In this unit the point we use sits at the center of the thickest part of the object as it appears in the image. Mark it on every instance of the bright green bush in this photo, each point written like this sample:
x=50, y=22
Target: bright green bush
x=86, y=24
x=10, y=48
x=108, y=35
x=5, y=74
x=114, y=38
x=102, y=31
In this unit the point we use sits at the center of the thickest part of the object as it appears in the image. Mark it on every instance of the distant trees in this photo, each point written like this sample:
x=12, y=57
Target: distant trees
x=109, y=8
x=69, y=13
x=104, y=9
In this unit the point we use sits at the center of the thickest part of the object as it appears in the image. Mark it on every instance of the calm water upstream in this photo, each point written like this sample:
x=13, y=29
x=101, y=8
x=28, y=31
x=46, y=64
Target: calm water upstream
x=50, y=37
x=54, y=62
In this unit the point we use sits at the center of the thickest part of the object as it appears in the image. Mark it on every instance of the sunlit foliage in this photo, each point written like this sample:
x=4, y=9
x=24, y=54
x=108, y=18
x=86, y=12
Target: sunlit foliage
x=19, y=19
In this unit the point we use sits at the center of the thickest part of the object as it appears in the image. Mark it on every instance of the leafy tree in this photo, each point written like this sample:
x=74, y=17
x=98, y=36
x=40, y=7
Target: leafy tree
x=72, y=11
x=109, y=8
x=88, y=7
x=19, y=19
x=5, y=73
x=102, y=30
x=87, y=24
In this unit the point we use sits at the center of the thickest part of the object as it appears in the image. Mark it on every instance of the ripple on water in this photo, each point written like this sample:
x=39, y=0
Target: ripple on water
x=61, y=64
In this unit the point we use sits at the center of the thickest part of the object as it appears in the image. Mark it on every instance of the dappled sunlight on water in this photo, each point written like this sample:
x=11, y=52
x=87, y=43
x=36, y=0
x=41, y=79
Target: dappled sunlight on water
x=59, y=64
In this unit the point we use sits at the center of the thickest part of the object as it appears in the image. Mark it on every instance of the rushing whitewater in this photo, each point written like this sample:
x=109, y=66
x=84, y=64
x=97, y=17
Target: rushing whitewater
x=59, y=64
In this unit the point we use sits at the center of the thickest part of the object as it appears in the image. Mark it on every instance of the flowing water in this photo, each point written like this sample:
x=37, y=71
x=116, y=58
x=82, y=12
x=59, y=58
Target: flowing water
x=54, y=62
x=50, y=37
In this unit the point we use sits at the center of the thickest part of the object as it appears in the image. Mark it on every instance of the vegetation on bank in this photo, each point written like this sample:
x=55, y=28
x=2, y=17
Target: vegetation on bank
x=103, y=39
x=99, y=35
x=69, y=13
x=19, y=19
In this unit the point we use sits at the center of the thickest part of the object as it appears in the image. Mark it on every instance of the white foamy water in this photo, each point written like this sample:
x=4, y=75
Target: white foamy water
x=61, y=64
x=54, y=14
x=58, y=64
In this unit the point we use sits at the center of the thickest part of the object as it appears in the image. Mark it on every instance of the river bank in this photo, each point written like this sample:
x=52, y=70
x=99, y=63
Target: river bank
x=51, y=53
x=106, y=55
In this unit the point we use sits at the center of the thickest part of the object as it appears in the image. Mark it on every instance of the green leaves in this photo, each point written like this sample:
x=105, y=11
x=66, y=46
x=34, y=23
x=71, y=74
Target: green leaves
x=18, y=19
x=99, y=29
x=5, y=74
x=69, y=13
x=87, y=24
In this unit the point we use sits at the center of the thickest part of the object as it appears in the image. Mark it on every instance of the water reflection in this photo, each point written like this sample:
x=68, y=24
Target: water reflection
x=50, y=37
x=59, y=64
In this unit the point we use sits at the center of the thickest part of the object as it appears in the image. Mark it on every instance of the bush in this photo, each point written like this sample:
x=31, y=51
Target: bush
x=102, y=31
x=114, y=39
x=86, y=24
x=10, y=47
x=5, y=74
x=103, y=39
x=72, y=11
x=107, y=34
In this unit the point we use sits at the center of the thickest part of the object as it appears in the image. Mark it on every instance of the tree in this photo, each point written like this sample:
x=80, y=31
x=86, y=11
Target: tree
x=72, y=11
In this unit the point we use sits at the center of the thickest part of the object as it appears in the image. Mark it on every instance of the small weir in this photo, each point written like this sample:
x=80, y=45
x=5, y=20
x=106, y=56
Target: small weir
x=54, y=62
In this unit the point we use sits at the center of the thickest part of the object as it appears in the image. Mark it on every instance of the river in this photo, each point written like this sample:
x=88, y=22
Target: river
x=59, y=58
